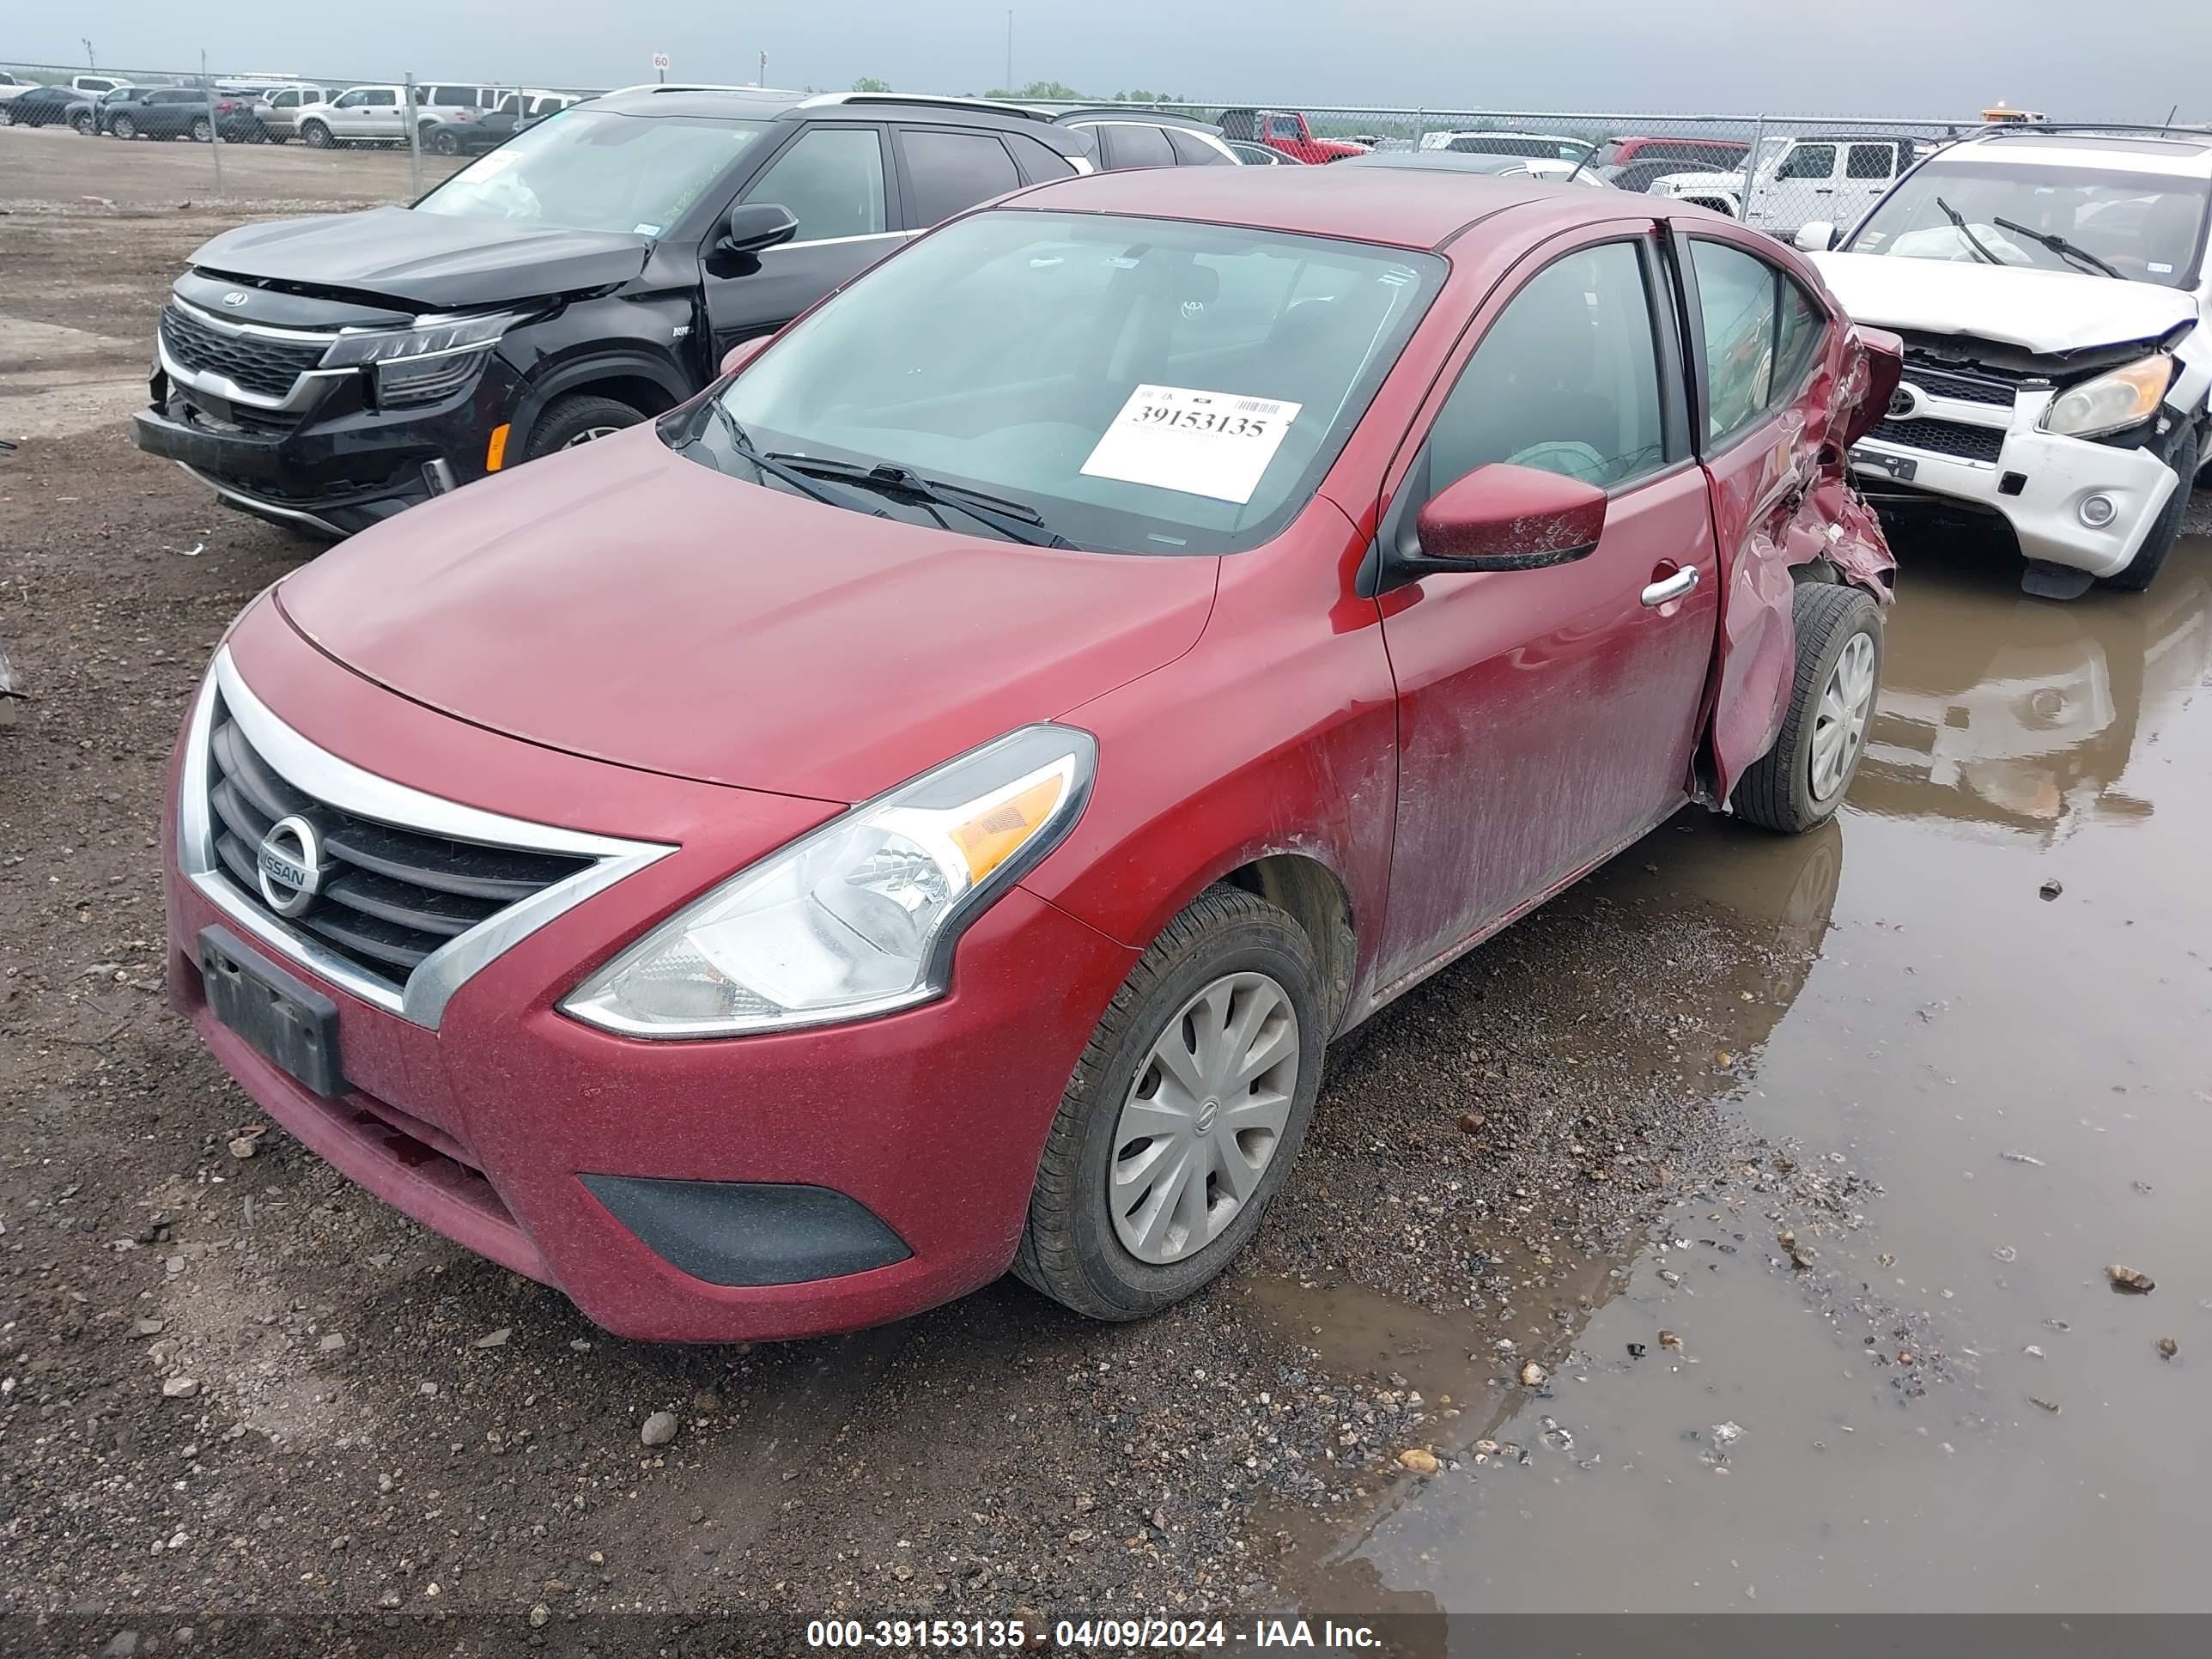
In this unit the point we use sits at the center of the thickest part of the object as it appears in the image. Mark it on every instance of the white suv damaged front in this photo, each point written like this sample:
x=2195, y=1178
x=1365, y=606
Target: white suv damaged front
x=2052, y=293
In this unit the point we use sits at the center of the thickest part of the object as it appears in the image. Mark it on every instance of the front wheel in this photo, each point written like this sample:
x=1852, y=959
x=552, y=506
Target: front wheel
x=83, y=123
x=446, y=144
x=1184, y=1116
x=568, y=422
x=1798, y=784
x=7, y=116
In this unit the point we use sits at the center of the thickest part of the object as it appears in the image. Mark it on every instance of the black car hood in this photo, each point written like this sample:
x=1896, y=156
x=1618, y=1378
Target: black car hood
x=425, y=259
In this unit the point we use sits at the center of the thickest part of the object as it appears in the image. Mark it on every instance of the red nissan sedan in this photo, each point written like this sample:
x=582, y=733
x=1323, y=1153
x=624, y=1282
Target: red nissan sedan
x=923, y=806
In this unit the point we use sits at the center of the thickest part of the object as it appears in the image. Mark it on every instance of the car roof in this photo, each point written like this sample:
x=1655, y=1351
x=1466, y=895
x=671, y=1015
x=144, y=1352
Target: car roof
x=1399, y=207
x=2188, y=153
x=1069, y=114
x=764, y=104
x=1479, y=163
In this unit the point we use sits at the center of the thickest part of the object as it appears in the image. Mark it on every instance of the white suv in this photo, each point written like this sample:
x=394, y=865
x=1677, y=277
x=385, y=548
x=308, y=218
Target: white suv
x=1798, y=179
x=2052, y=288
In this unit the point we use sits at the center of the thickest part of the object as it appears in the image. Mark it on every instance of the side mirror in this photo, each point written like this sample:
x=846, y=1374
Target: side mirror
x=743, y=352
x=1819, y=237
x=1502, y=517
x=753, y=226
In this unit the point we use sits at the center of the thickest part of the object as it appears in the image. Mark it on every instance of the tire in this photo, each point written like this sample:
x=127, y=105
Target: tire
x=203, y=132
x=1072, y=1248
x=83, y=125
x=577, y=419
x=7, y=116
x=1777, y=791
x=446, y=144
x=123, y=127
x=315, y=135
x=2180, y=451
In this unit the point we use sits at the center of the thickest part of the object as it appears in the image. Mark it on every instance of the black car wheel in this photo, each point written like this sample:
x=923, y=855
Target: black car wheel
x=123, y=127
x=1798, y=784
x=446, y=144
x=202, y=132
x=1185, y=1113
x=576, y=420
x=82, y=122
x=316, y=136
x=7, y=116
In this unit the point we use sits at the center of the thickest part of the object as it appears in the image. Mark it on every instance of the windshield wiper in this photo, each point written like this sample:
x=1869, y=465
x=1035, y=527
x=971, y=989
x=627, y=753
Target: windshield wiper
x=1017, y=521
x=2059, y=245
x=1959, y=219
x=776, y=469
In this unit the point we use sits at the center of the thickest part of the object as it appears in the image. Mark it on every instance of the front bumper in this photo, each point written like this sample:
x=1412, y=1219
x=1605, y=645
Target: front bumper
x=570, y=1154
x=2037, y=481
x=335, y=464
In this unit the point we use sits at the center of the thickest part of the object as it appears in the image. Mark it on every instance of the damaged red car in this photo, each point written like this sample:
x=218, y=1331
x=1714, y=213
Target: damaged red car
x=922, y=807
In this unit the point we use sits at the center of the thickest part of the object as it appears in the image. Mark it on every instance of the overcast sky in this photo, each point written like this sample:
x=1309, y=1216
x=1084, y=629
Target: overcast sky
x=2082, y=59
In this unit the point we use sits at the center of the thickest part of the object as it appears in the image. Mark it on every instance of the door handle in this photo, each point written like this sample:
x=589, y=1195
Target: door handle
x=1670, y=588
x=1824, y=190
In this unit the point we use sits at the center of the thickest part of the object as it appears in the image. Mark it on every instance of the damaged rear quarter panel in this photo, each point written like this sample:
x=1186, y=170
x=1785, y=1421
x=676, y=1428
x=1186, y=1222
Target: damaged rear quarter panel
x=1783, y=499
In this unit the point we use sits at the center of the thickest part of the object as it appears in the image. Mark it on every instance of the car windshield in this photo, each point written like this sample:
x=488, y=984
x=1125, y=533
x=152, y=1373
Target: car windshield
x=2148, y=227
x=1179, y=388
x=595, y=170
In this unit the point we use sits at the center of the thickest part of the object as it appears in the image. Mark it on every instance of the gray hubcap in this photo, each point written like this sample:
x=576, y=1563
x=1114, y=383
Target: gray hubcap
x=1204, y=1118
x=1840, y=722
x=590, y=433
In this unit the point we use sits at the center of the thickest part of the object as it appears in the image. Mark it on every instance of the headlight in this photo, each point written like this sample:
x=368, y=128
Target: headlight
x=432, y=359
x=2124, y=397
x=861, y=916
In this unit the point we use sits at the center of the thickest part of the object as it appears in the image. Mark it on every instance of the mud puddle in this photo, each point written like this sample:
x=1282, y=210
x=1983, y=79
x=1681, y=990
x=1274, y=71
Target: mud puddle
x=1876, y=1360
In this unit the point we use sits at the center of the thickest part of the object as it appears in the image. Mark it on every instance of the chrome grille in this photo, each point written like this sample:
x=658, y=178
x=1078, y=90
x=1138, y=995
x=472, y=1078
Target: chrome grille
x=1962, y=387
x=1966, y=443
x=396, y=894
x=258, y=363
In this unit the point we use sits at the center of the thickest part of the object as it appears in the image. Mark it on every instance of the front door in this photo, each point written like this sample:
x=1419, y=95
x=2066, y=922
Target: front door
x=1546, y=717
x=1800, y=189
x=835, y=180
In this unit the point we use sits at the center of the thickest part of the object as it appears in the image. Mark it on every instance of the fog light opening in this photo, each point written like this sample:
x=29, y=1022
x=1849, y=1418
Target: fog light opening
x=2097, y=511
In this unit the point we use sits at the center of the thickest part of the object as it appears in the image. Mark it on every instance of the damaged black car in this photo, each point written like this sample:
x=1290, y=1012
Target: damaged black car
x=328, y=373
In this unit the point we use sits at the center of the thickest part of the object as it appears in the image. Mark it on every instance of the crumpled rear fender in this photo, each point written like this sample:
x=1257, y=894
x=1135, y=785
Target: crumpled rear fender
x=1819, y=517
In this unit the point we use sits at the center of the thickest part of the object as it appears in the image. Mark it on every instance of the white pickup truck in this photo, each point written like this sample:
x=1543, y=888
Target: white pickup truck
x=2052, y=288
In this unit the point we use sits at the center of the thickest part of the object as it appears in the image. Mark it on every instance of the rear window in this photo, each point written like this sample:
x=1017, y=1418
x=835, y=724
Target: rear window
x=1193, y=151
x=950, y=171
x=1136, y=146
x=463, y=96
x=1039, y=162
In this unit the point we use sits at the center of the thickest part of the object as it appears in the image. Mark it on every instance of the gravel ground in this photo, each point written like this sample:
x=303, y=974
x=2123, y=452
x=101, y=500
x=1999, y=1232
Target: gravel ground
x=235, y=1387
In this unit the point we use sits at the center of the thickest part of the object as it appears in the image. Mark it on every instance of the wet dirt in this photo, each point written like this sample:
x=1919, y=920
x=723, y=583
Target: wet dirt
x=1944, y=1406
x=1963, y=1102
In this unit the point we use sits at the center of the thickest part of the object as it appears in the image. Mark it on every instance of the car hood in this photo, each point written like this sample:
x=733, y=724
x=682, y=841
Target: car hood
x=2041, y=311
x=620, y=602
x=426, y=259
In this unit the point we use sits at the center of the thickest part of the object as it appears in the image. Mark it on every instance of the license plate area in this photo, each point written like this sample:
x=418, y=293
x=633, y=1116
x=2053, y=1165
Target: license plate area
x=1900, y=468
x=287, y=1021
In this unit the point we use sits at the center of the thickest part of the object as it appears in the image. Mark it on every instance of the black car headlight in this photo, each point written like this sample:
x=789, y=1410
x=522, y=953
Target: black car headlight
x=434, y=359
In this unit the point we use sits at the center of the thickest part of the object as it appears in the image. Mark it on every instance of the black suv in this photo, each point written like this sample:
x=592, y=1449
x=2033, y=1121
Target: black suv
x=329, y=373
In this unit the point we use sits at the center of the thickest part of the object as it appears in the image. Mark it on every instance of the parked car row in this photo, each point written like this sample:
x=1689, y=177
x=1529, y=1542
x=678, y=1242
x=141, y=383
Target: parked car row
x=447, y=117
x=1492, y=526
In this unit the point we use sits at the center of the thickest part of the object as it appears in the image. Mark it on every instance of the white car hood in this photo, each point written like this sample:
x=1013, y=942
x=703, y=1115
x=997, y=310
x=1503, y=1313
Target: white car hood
x=2042, y=310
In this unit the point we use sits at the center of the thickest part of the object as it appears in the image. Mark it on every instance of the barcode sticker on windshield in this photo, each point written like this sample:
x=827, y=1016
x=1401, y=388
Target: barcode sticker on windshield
x=1201, y=443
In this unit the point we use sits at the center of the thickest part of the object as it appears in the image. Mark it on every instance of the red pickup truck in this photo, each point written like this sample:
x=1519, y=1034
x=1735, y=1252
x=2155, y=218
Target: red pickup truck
x=1286, y=130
